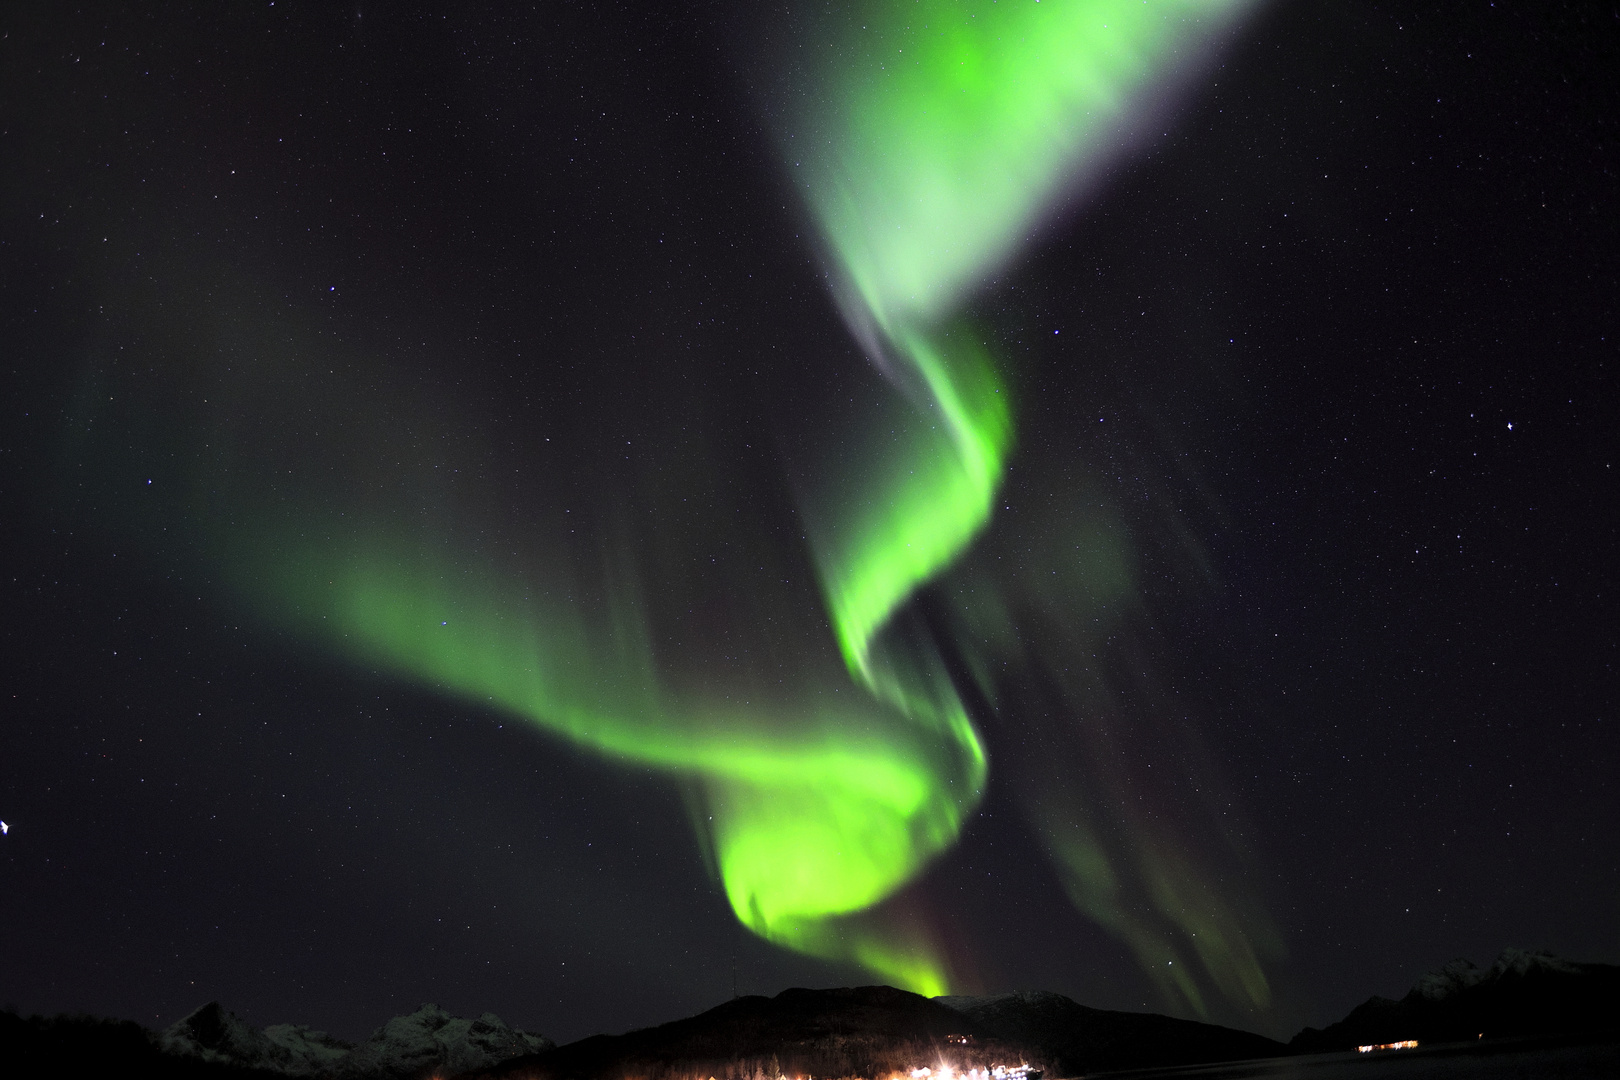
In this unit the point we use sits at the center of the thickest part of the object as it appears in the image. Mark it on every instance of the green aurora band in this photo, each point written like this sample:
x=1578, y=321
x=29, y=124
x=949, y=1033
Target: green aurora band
x=939, y=135
x=940, y=132
x=815, y=812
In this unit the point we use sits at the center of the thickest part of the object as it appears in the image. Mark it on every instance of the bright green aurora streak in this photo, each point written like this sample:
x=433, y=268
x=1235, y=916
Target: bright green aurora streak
x=940, y=132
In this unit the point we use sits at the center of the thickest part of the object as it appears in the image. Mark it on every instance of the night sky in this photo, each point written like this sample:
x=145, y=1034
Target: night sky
x=1288, y=618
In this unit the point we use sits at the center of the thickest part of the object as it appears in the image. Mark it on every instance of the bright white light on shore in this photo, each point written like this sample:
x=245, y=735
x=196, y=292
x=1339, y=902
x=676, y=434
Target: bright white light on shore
x=993, y=1072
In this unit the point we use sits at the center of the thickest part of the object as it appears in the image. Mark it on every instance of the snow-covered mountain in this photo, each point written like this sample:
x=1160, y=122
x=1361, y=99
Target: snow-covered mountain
x=430, y=1040
x=213, y=1033
x=1522, y=994
x=423, y=1043
x=1461, y=974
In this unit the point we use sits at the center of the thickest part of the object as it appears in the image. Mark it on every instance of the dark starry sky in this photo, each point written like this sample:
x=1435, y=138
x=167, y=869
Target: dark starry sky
x=1351, y=317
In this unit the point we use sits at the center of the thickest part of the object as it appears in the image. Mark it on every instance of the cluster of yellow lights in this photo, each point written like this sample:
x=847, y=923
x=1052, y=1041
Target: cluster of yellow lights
x=1405, y=1044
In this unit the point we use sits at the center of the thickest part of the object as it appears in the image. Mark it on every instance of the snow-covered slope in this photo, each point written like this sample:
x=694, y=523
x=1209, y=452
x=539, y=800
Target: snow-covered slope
x=430, y=1040
x=426, y=1042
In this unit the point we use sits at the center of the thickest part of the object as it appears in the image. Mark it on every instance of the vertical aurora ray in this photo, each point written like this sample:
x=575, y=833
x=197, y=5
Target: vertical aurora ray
x=931, y=137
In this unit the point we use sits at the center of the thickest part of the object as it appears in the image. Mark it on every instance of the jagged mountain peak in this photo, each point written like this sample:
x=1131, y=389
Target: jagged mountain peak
x=1524, y=962
x=1463, y=974
x=1456, y=975
x=430, y=1039
x=1522, y=993
x=214, y=1033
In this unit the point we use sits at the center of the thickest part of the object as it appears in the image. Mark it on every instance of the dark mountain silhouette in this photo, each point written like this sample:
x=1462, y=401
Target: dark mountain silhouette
x=877, y=1030
x=36, y=1047
x=1522, y=994
x=1078, y=1040
x=860, y=1031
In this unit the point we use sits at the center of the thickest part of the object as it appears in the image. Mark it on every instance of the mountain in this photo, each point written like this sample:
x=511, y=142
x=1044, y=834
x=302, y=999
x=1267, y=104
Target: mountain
x=859, y=1031
x=1522, y=994
x=426, y=1042
x=872, y=1031
x=212, y=1033
x=878, y=1030
x=1076, y=1040
x=430, y=1041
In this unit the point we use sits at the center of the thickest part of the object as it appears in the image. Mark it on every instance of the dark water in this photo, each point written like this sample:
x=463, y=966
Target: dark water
x=1520, y=1062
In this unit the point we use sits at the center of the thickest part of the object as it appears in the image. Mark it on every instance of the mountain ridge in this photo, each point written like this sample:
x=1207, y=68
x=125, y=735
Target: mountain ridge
x=878, y=1031
x=1523, y=993
x=871, y=1031
x=425, y=1042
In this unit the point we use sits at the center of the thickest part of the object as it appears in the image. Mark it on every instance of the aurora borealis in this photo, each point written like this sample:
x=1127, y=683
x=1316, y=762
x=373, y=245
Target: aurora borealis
x=927, y=170
x=942, y=493
x=816, y=811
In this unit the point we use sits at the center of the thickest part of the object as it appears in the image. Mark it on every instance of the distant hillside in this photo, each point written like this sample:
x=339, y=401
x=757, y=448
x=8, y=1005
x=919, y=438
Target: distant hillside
x=1522, y=994
x=862, y=1031
x=877, y=1030
x=213, y=1043
x=1078, y=1040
